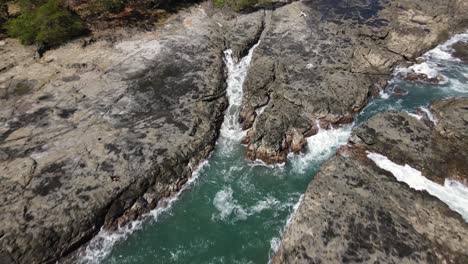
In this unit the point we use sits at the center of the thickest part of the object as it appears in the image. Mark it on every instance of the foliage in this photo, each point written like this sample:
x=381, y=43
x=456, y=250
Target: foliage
x=30, y=5
x=219, y=3
x=3, y=12
x=47, y=24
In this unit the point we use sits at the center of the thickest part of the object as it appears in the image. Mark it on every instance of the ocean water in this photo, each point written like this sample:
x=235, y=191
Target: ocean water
x=234, y=210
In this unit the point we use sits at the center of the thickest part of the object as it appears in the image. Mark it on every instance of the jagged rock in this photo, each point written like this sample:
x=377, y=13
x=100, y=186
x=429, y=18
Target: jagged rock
x=399, y=91
x=323, y=59
x=353, y=211
x=452, y=118
x=425, y=147
x=421, y=77
x=461, y=51
x=296, y=141
x=244, y=31
x=95, y=135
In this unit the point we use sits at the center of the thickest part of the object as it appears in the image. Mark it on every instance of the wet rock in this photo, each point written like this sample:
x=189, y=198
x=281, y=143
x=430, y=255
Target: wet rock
x=399, y=91
x=95, y=138
x=461, y=51
x=296, y=141
x=244, y=32
x=353, y=211
x=452, y=118
x=422, y=77
x=321, y=60
x=247, y=117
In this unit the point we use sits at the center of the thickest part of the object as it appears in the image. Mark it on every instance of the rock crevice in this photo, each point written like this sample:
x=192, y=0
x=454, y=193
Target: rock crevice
x=321, y=60
x=356, y=211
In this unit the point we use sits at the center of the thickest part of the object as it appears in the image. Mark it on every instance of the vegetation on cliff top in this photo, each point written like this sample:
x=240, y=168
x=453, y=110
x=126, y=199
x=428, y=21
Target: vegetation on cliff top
x=48, y=23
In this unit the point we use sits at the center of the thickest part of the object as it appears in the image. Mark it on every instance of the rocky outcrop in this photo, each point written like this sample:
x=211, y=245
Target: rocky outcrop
x=95, y=135
x=319, y=61
x=461, y=51
x=356, y=212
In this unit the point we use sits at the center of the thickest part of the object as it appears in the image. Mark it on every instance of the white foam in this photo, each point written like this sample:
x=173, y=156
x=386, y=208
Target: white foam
x=231, y=129
x=261, y=163
x=428, y=68
x=229, y=208
x=429, y=114
x=384, y=95
x=227, y=205
x=275, y=242
x=295, y=207
x=419, y=117
x=268, y=203
x=101, y=245
x=320, y=147
x=453, y=193
x=458, y=86
x=444, y=51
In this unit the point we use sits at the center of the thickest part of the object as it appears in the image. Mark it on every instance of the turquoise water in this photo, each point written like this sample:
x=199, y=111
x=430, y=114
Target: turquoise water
x=235, y=210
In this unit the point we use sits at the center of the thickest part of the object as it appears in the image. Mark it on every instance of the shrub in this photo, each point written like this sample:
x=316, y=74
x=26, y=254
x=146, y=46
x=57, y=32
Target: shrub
x=3, y=12
x=219, y=3
x=49, y=24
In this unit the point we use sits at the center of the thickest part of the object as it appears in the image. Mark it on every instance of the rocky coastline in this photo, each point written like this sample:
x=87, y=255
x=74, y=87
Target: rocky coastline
x=319, y=62
x=355, y=211
x=95, y=133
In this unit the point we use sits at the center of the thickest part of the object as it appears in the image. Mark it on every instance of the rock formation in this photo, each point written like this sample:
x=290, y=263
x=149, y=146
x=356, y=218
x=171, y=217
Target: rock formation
x=96, y=132
x=321, y=60
x=355, y=211
x=94, y=135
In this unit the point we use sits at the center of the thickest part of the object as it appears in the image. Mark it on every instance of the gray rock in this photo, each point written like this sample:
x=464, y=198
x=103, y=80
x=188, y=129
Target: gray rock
x=94, y=136
x=461, y=51
x=321, y=60
x=353, y=211
x=406, y=140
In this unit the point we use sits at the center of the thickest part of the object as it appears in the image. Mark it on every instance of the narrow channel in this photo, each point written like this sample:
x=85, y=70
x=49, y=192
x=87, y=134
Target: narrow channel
x=235, y=210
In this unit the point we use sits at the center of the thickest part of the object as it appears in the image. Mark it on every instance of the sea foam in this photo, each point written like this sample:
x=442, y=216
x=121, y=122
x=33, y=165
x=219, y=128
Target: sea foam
x=452, y=193
x=101, y=245
x=320, y=147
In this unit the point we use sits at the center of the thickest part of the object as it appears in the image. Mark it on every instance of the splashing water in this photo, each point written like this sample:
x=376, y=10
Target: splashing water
x=236, y=210
x=453, y=193
x=231, y=129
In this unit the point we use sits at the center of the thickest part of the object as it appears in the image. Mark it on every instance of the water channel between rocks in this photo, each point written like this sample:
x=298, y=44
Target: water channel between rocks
x=233, y=210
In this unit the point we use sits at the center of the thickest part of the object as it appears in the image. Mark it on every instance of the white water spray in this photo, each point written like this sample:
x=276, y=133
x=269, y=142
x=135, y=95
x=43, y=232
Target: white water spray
x=101, y=245
x=231, y=129
x=320, y=147
x=452, y=193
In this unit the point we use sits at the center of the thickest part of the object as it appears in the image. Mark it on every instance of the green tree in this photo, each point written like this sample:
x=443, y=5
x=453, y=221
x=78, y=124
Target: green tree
x=48, y=24
x=3, y=11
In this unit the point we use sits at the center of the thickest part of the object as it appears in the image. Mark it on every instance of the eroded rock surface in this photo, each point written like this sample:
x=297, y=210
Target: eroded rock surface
x=356, y=212
x=319, y=61
x=94, y=135
x=461, y=51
